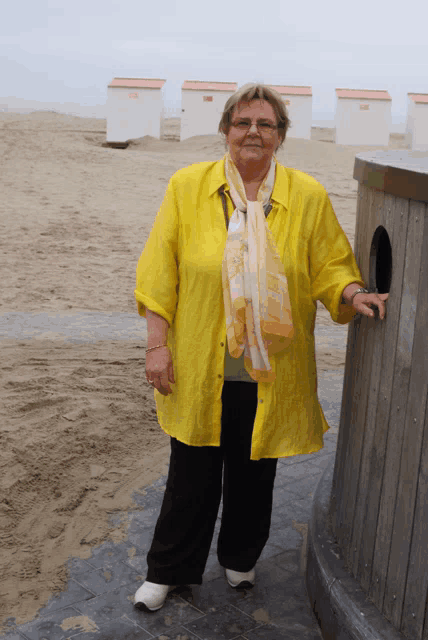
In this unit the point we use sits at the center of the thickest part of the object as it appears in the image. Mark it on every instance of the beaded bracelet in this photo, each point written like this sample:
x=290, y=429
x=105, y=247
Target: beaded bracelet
x=157, y=347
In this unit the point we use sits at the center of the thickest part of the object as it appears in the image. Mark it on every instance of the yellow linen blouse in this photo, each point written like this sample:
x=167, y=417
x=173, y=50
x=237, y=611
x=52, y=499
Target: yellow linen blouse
x=179, y=277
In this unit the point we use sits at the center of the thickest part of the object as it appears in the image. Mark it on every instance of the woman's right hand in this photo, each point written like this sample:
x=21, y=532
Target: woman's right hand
x=159, y=369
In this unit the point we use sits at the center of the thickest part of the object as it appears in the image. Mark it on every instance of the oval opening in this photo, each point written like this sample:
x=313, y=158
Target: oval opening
x=380, y=261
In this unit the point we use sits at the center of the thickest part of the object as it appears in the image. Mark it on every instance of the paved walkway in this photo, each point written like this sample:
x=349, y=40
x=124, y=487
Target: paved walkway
x=97, y=604
x=91, y=326
x=79, y=327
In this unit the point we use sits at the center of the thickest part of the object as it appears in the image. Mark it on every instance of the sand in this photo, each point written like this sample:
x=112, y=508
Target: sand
x=78, y=423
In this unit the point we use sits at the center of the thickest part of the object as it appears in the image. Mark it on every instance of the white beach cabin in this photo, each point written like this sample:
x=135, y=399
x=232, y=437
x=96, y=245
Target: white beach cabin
x=417, y=121
x=202, y=104
x=363, y=117
x=134, y=107
x=298, y=101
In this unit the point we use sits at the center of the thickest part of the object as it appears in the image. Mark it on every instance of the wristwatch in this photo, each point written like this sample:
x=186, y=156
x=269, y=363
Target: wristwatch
x=361, y=290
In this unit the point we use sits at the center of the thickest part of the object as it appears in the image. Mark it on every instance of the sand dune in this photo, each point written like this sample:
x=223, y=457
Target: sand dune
x=78, y=424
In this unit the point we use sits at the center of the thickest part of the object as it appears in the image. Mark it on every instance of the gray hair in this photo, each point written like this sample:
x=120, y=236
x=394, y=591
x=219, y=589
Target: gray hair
x=252, y=91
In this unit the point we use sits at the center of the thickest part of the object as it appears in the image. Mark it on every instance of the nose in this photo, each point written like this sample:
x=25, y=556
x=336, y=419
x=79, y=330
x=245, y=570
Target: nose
x=253, y=128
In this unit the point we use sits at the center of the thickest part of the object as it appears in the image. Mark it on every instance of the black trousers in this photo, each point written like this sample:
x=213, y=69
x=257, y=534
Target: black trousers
x=196, y=478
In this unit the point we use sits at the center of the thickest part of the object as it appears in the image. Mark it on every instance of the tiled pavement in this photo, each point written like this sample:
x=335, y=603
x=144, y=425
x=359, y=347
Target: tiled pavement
x=98, y=601
x=97, y=604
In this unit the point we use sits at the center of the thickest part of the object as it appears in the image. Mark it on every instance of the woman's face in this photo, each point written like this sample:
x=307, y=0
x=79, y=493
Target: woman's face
x=253, y=145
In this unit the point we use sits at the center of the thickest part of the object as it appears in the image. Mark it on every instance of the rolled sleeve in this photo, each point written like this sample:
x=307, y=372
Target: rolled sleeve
x=157, y=268
x=332, y=263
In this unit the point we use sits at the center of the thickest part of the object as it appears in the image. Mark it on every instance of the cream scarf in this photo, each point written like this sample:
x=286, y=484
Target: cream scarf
x=255, y=290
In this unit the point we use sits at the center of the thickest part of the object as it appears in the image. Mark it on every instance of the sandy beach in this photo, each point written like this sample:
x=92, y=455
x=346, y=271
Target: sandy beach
x=78, y=423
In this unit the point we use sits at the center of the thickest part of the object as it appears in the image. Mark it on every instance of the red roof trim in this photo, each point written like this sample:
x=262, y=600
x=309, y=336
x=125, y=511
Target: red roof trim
x=137, y=83
x=419, y=98
x=365, y=94
x=203, y=85
x=291, y=90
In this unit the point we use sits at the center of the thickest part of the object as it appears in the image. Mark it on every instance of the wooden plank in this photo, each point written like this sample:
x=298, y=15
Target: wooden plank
x=400, y=383
x=414, y=621
x=379, y=406
x=362, y=201
x=397, y=172
x=364, y=235
x=353, y=482
x=416, y=583
x=352, y=365
x=371, y=376
x=347, y=393
x=415, y=304
x=345, y=426
x=351, y=458
x=356, y=415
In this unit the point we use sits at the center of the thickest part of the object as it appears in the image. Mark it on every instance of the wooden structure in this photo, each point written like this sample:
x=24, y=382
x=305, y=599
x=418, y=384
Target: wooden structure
x=363, y=117
x=202, y=104
x=134, y=107
x=417, y=121
x=379, y=500
x=298, y=101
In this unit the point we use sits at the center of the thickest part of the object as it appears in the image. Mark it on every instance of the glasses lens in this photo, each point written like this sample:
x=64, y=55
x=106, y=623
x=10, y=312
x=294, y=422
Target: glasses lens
x=244, y=125
x=265, y=126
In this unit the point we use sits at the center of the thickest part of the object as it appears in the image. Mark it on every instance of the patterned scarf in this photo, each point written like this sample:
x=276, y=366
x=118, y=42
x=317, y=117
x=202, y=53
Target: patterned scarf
x=255, y=290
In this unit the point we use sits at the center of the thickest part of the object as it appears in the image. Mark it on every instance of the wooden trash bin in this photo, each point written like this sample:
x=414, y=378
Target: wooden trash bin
x=379, y=499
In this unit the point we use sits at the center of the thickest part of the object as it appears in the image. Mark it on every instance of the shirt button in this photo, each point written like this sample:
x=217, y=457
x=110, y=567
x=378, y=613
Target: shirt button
x=221, y=344
x=261, y=400
x=219, y=375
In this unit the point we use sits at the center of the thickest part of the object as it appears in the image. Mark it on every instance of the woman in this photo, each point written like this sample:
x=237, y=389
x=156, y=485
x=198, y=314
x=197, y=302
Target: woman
x=239, y=253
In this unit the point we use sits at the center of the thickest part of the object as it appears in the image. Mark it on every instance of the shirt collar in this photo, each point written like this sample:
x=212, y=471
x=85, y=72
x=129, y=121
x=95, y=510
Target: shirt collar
x=281, y=188
x=218, y=177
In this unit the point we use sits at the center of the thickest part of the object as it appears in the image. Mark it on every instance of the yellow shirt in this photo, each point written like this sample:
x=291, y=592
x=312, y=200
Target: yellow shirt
x=179, y=277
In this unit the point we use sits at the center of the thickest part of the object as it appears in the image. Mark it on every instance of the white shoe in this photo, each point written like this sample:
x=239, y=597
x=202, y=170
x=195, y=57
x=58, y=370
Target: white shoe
x=151, y=596
x=242, y=580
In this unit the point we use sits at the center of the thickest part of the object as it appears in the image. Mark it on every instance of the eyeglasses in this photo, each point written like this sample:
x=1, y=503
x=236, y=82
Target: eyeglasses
x=263, y=126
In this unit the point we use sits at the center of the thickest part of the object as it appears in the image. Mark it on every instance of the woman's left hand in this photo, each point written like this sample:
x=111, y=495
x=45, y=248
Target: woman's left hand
x=363, y=303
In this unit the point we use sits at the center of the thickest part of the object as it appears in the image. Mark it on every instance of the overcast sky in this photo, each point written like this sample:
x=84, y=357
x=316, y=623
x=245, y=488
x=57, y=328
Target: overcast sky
x=69, y=50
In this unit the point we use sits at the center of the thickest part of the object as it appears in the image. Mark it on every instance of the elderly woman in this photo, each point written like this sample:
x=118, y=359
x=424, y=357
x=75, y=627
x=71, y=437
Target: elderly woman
x=240, y=251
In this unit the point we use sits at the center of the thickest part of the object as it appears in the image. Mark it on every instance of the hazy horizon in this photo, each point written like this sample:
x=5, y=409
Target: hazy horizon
x=23, y=107
x=58, y=52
